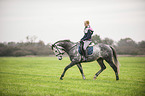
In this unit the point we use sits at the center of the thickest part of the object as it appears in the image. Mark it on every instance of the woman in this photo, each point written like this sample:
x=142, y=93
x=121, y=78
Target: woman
x=86, y=40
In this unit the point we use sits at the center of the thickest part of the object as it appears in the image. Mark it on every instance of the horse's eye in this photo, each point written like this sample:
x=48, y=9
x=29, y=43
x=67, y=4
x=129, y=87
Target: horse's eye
x=55, y=51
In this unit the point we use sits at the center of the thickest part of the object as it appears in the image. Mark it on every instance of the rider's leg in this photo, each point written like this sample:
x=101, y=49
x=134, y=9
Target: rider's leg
x=82, y=47
x=86, y=44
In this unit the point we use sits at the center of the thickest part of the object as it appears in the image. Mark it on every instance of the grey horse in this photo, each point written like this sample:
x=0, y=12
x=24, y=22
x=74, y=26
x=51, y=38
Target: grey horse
x=101, y=52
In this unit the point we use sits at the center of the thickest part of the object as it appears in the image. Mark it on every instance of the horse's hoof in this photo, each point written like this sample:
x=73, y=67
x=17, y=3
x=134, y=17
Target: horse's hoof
x=61, y=78
x=84, y=78
x=117, y=78
x=95, y=77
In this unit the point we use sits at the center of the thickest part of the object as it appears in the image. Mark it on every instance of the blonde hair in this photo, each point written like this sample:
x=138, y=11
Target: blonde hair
x=87, y=22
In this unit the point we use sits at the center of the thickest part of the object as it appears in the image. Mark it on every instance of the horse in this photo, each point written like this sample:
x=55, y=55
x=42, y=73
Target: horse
x=100, y=53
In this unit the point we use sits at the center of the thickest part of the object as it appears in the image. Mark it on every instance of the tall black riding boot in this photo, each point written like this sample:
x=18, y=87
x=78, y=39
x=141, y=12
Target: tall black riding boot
x=85, y=54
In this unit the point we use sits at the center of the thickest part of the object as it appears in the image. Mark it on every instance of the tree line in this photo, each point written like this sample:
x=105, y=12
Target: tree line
x=30, y=47
x=125, y=46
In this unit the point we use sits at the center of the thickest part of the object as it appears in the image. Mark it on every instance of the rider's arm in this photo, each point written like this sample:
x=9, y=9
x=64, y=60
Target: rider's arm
x=87, y=35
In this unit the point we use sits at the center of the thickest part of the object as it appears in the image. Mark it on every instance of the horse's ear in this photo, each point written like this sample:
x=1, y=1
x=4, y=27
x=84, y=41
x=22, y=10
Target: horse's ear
x=52, y=45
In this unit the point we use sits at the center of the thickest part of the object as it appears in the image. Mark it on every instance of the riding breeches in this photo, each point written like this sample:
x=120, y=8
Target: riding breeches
x=86, y=44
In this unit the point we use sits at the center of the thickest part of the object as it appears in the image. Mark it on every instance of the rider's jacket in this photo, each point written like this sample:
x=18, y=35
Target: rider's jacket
x=88, y=31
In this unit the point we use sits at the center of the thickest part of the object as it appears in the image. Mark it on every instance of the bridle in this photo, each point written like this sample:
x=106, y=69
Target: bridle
x=62, y=49
x=58, y=50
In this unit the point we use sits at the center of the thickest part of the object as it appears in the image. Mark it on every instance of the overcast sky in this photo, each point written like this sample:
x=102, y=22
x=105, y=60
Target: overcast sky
x=53, y=20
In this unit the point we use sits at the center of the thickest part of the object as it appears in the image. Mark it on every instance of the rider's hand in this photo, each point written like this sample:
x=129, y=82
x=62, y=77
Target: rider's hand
x=81, y=41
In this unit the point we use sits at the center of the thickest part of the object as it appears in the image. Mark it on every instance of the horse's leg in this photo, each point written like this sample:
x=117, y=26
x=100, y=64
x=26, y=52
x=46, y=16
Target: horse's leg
x=65, y=69
x=81, y=70
x=113, y=67
x=103, y=67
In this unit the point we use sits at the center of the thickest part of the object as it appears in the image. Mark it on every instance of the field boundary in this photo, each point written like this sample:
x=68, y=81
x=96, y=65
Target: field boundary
x=67, y=56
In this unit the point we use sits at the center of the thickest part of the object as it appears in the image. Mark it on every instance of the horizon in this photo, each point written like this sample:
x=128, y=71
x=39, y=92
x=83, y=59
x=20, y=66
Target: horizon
x=36, y=41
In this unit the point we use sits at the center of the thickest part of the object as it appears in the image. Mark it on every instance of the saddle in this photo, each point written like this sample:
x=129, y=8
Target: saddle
x=89, y=49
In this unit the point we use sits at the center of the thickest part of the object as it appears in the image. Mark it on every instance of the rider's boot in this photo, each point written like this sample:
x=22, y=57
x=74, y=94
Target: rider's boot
x=86, y=55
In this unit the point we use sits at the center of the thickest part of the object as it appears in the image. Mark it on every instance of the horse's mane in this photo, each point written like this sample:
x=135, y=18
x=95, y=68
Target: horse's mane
x=62, y=41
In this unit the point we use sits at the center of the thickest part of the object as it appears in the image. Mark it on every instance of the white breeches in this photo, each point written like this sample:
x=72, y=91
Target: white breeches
x=86, y=44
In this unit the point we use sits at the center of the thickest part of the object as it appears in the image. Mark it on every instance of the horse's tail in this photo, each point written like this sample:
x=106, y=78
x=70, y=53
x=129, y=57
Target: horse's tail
x=115, y=59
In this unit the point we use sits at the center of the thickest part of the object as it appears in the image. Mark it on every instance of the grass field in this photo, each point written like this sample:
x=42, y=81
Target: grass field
x=39, y=76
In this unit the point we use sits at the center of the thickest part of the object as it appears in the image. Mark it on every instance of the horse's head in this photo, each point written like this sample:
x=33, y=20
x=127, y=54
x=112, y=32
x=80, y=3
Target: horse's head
x=58, y=50
x=60, y=47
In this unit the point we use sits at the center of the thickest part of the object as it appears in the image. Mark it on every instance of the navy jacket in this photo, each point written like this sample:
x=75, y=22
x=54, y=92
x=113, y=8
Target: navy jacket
x=87, y=33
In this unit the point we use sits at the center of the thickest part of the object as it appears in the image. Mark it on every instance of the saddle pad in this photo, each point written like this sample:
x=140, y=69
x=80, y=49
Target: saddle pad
x=89, y=50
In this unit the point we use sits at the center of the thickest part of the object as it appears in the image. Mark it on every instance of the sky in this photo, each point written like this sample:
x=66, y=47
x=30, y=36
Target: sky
x=53, y=20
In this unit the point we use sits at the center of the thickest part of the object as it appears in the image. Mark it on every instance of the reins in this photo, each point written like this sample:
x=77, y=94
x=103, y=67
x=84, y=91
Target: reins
x=72, y=47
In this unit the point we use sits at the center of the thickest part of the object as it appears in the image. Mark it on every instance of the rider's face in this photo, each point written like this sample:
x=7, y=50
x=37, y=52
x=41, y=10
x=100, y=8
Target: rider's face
x=85, y=24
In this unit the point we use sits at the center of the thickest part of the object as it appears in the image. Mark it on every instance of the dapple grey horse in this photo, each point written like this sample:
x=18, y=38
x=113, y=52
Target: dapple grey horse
x=101, y=52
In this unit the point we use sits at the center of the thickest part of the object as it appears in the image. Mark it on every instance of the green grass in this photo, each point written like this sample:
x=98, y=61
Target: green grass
x=39, y=76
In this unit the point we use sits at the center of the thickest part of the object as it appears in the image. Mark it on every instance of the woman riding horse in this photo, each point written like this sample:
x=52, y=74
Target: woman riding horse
x=101, y=52
x=86, y=40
